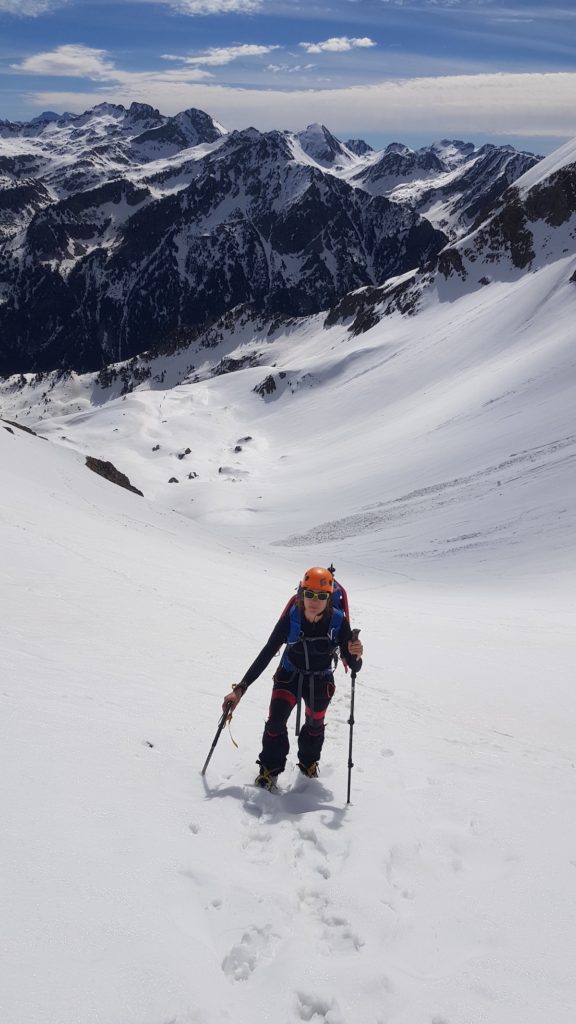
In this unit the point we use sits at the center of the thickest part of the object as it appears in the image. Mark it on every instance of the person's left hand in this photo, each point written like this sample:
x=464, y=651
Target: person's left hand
x=356, y=648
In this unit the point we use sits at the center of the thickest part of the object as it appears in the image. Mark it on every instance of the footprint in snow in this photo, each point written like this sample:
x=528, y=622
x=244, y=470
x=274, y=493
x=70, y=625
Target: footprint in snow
x=255, y=946
x=257, y=845
x=337, y=934
x=402, y=867
x=318, y=1009
x=306, y=843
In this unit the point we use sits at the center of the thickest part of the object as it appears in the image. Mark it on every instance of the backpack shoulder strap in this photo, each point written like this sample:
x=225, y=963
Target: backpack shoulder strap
x=336, y=623
x=295, y=623
x=342, y=598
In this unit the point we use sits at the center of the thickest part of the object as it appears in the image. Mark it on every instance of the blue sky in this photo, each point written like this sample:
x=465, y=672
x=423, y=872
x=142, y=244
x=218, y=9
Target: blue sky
x=413, y=70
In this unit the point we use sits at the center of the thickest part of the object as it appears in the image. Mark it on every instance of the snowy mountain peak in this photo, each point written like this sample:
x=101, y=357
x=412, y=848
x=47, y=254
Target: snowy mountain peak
x=452, y=152
x=398, y=147
x=143, y=112
x=115, y=109
x=319, y=143
x=170, y=135
x=358, y=146
x=199, y=121
x=51, y=115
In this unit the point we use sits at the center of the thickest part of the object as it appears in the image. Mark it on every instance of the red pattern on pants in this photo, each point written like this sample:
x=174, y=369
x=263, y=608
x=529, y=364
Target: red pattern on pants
x=275, y=743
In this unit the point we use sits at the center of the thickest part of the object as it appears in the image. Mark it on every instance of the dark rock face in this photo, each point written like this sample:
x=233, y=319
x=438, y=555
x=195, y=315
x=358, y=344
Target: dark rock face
x=554, y=200
x=366, y=308
x=109, y=472
x=509, y=231
x=358, y=146
x=19, y=426
x=450, y=263
x=266, y=387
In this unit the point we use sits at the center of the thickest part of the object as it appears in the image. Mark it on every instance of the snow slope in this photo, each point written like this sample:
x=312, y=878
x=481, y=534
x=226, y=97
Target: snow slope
x=432, y=457
x=136, y=891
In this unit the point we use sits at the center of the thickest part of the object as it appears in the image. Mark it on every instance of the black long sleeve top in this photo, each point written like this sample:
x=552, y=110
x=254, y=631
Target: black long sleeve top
x=320, y=655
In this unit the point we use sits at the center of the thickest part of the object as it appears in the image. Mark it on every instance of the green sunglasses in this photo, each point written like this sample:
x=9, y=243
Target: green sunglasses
x=320, y=595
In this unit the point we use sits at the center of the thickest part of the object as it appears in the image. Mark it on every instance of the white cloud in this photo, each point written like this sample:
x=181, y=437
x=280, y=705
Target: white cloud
x=72, y=60
x=77, y=61
x=30, y=8
x=218, y=55
x=492, y=104
x=215, y=6
x=337, y=44
x=289, y=69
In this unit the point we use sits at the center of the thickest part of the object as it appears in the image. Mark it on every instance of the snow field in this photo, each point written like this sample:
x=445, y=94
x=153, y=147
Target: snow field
x=135, y=890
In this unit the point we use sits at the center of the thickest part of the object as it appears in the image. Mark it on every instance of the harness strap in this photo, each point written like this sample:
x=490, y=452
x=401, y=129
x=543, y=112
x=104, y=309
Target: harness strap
x=301, y=682
x=299, y=702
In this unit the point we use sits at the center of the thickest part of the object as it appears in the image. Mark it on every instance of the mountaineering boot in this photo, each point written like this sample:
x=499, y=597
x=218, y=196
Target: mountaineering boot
x=312, y=771
x=266, y=779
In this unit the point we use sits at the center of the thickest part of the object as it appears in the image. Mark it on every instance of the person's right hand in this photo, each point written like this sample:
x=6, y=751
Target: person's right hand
x=232, y=699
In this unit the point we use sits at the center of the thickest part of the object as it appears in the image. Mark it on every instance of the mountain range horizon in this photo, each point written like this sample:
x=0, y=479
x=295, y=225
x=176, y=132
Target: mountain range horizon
x=122, y=228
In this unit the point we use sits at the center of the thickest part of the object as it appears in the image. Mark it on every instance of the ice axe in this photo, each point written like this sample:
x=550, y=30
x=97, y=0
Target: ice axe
x=226, y=716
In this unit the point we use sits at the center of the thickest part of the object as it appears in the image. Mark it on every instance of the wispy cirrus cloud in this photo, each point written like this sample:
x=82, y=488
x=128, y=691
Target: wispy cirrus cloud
x=512, y=9
x=193, y=7
x=450, y=4
x=338, y=44
x=219, y=55
x=30, y=8
x=288, y=69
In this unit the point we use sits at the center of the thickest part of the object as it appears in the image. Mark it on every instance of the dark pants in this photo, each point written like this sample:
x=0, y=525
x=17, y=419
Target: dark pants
x=275, y=745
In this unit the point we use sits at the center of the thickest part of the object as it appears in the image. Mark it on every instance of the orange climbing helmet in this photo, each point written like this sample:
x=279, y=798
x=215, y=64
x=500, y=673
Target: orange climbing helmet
x=318, y=579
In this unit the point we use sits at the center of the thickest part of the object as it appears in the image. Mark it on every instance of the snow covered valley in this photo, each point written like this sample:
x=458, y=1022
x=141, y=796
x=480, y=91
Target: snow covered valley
x=432, y=459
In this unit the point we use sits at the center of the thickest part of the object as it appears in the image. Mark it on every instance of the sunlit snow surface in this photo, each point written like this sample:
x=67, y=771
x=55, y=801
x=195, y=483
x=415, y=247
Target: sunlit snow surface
x=432, y=458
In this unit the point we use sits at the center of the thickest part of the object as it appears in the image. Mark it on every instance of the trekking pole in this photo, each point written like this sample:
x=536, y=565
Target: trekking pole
x=226, y=716
x=355, y=633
